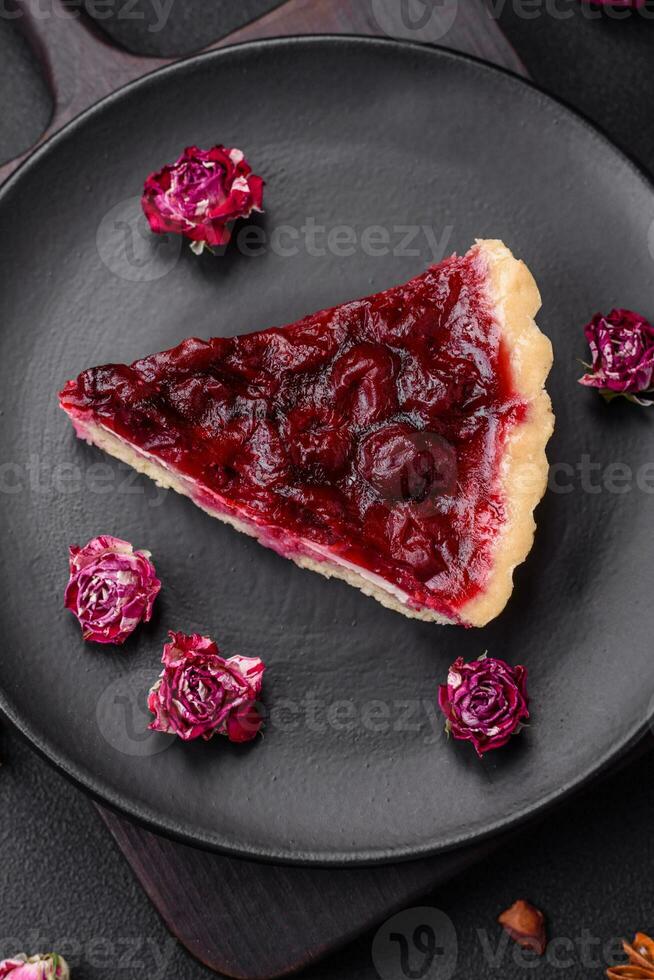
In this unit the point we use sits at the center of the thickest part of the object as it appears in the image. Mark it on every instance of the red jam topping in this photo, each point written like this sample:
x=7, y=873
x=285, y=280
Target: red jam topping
x=373, y=430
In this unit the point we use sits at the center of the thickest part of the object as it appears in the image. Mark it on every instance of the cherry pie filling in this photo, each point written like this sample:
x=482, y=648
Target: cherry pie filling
x=372, y=432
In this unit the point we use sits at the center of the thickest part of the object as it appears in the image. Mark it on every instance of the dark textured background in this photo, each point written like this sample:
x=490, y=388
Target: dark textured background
x=590, y=866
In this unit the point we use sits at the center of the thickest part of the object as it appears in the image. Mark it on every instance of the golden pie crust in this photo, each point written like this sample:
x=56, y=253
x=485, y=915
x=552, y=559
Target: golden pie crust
x=524, y=469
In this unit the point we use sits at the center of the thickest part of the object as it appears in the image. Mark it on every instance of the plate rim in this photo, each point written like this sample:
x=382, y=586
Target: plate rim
x=144, y=816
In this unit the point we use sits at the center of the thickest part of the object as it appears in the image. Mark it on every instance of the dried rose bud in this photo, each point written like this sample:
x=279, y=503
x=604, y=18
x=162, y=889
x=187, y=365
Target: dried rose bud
x=202, y=195
x=199, y=694
x=484, y=702
x=111, y=590
x=525, y=924
x=622, y=348
x=47, y=967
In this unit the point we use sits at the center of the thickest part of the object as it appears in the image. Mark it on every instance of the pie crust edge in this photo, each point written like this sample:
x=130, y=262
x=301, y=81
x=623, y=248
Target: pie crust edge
x=515, y=300
x=524, y=468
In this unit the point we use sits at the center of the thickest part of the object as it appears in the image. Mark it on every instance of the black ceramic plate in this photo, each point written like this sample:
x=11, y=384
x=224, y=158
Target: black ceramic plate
x=436, y=150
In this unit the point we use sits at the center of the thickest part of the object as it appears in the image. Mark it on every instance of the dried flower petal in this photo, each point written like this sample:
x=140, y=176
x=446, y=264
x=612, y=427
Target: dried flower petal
x=641, y=960
x=111, y=589
x=622, y=348
x=45, y=967
x=642, y=949
x=525, y=924
x=631, y=972
x=199, y=694
x=202, y=195
x=484, y=702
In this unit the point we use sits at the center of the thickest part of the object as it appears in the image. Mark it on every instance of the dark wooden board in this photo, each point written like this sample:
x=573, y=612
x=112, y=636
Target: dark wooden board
x=255, y=921
x=208, y=901
x=82, y=67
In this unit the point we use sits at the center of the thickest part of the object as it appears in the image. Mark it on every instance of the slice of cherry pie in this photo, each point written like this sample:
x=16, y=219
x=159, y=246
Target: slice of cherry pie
x=397, y=442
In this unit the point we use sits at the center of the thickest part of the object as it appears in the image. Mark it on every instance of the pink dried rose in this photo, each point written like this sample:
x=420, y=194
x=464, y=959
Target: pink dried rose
x=199, y=694
x=47, y=967
x=622, y=348
x=111, y=590
x=484, y=702
x=202, y=195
